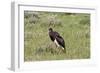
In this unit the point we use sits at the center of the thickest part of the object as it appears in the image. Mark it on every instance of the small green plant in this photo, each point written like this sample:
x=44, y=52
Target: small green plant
x=51, y=21
x=85, y=20
x=31, y=17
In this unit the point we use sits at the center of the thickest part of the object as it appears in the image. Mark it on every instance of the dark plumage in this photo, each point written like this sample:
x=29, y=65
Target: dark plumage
x=60, y=41
x=53, y=34
x=57, y=39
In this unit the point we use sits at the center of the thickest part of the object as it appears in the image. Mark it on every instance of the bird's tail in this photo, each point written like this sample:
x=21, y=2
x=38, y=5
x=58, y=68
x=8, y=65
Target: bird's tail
x=64, y=49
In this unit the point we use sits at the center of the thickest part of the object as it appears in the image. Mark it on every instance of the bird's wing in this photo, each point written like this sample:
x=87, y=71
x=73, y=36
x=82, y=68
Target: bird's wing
x=61, y=41
x=56, y=33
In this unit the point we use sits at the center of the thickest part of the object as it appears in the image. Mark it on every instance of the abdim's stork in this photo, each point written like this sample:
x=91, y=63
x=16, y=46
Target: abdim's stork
x=57, y=39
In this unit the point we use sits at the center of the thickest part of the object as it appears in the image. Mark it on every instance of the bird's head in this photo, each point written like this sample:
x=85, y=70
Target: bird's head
x=50, y=29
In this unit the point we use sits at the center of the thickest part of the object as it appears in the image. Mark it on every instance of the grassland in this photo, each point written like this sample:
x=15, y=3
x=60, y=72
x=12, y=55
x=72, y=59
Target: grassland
x=74, y=28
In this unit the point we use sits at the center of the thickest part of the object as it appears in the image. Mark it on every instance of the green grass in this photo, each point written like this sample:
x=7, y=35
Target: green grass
x=74, y=28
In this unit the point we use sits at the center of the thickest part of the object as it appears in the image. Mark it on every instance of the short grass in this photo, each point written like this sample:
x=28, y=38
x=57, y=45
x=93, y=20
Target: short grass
x=74, y=28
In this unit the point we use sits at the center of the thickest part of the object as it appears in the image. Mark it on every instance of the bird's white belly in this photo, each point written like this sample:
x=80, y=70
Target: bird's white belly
x=55, y=41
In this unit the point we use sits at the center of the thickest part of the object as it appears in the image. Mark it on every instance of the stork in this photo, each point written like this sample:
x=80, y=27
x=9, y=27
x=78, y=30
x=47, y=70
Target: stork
x=57, y=39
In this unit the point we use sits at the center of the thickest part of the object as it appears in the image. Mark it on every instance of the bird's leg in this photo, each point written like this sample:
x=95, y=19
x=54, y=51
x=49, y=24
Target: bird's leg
x=58, y=50
x=55, y=44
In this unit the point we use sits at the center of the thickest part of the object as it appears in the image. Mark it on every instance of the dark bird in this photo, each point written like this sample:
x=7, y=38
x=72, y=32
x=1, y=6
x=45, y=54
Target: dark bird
x=57, y=39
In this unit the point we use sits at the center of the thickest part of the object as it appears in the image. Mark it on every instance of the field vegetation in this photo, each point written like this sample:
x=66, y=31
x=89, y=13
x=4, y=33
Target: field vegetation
x=73, y=27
